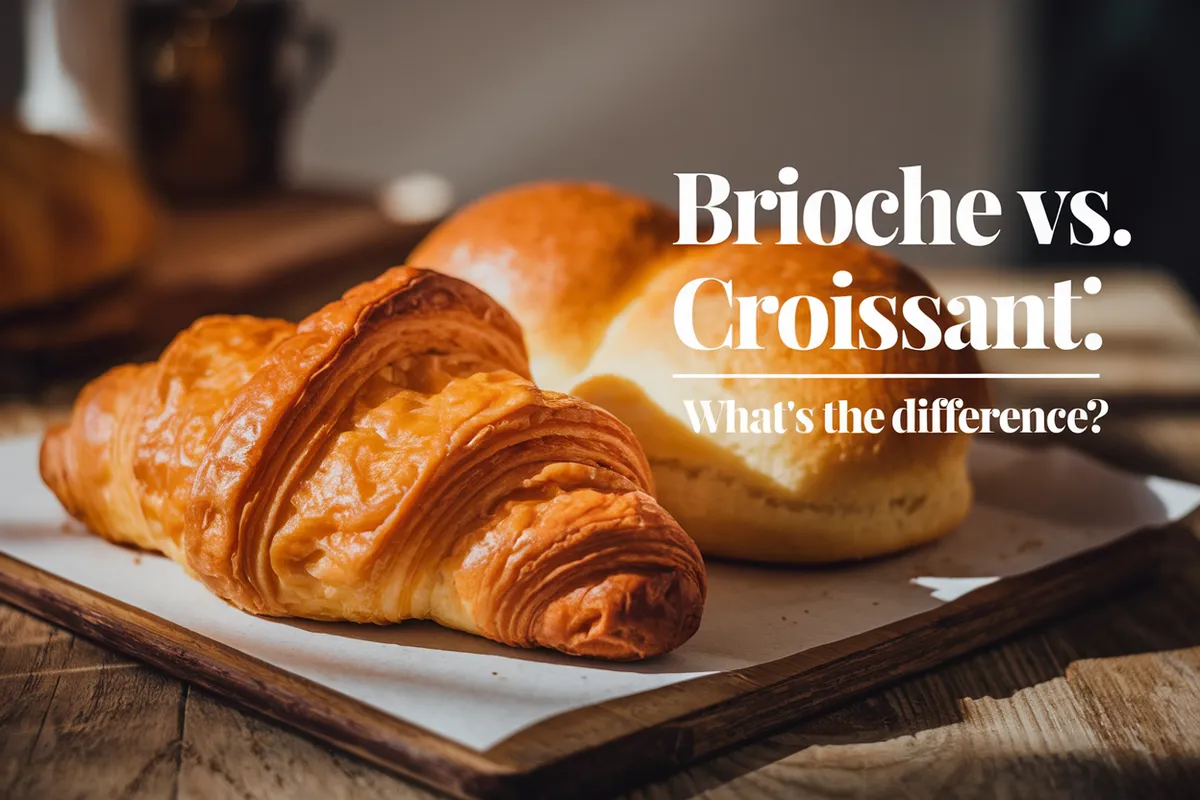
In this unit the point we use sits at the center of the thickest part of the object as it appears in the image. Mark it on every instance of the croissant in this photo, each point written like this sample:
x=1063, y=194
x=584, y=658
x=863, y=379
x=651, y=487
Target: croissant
x=594, y=278
x=386, y=459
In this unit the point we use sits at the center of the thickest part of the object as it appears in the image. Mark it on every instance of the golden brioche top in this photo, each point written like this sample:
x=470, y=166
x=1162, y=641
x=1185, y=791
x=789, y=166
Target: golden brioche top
x=642, y=349
x=593, y=275
x=567, y=256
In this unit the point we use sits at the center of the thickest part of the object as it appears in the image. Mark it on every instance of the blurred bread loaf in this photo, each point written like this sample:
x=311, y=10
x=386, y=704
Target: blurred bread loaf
x=70, y=218
x=592, y=275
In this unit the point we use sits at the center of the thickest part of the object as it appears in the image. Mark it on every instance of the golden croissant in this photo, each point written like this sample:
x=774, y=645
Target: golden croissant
x=386, y=459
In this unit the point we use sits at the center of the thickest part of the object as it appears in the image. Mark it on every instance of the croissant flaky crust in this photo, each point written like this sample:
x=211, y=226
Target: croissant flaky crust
x=386, y=459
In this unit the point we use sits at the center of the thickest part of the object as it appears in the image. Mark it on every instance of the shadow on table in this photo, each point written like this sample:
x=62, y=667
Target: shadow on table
x=920, y=725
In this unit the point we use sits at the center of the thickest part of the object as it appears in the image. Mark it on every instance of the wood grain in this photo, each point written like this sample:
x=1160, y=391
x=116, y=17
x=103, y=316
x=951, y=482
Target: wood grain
x=227, y=753
x=1033, y=717
x=1098, y=705
x=622, y=742
x=62, y=695
x=1104, y=703
x=358, y=728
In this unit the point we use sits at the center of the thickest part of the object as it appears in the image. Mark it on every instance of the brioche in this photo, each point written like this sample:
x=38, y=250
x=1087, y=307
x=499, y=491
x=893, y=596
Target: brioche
x=70, y=219
x=386, y=459
x=592, y=275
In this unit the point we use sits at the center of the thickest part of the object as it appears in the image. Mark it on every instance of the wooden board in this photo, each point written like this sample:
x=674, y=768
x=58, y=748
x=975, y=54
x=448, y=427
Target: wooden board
x=624, y=742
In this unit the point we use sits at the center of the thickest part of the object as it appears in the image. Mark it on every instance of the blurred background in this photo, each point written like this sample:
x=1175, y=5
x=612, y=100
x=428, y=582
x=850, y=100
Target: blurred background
x=261, y=155
x=998, y=94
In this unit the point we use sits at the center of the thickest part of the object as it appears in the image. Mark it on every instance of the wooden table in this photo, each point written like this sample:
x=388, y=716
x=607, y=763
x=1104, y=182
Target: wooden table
x=1105, y=703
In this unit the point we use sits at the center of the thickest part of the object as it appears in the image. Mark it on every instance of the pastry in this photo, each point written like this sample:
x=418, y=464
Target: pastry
x=386, y=459
x=592, y=275
x=70, y=219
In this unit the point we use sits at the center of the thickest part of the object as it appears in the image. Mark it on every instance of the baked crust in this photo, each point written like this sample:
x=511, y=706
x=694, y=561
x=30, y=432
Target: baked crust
x=70, y=219
x=386, y=459
x=604, y=323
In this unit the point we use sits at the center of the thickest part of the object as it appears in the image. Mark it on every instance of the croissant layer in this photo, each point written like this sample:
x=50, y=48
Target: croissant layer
x=386, y=459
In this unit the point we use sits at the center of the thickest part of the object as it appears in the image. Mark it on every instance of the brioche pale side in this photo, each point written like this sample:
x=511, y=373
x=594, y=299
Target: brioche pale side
x=388, y=458
x=592, y=275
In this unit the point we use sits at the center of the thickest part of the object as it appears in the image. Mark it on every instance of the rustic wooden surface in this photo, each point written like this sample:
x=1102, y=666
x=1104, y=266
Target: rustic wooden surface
x=617, y=744
x=1104, y=703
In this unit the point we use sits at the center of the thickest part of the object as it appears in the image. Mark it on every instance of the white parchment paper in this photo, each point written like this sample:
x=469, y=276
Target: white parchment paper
x=1032, y=508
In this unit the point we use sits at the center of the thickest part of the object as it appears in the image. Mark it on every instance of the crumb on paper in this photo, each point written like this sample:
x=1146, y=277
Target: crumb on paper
x=72, y=527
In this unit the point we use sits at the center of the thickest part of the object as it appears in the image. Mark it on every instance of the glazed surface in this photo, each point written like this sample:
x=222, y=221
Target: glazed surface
x=386, y=459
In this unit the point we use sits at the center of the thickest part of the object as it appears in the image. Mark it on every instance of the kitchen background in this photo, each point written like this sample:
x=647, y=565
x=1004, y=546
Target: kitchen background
x=999, y=94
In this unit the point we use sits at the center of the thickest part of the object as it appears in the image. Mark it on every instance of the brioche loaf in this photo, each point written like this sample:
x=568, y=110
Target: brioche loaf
x=592, y=275
x=70, y=218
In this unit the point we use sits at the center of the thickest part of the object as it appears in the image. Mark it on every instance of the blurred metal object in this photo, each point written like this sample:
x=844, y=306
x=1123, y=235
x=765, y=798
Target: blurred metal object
x=214, y=85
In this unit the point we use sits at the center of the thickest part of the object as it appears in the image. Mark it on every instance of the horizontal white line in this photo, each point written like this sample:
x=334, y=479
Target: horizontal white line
x=1031, y=376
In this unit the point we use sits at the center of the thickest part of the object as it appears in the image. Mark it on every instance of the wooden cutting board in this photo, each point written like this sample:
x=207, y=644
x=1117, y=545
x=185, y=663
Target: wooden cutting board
x=604, y=748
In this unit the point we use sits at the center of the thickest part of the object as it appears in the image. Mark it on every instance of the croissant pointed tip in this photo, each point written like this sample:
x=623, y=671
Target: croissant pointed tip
x=625, y=617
